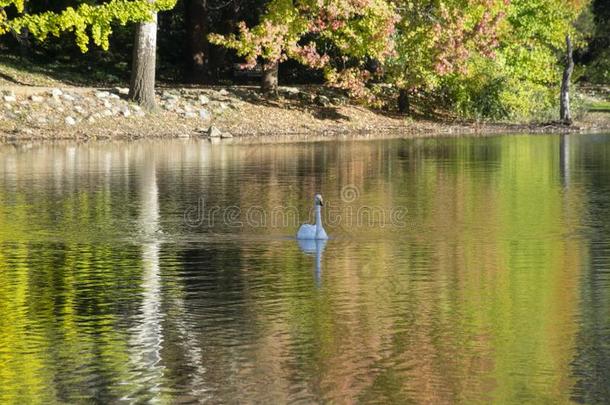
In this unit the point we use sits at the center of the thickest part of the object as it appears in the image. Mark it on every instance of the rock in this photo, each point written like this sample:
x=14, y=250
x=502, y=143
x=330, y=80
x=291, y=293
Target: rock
x=125, y=112
x=68, y=97
x=123, y=91
x=56, y=92
x=107, y=104
x=190, y=114
x=322, y=101
x=91, y=119
x=214, y=132
x=204, y=114
x=203, y=99
x=223, y=92
x=223, y=106
x=10, y=98
x=107, y=113
x=70, y=121
x=36, y=99
x=79, y=109
x=114, y=97
x=169, y=96
x=290, y=90
x=102, y=94
x=226, y=135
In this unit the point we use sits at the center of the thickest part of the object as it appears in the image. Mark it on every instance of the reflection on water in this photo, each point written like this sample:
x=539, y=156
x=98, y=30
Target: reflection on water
x=314, y=247
x=495, y=286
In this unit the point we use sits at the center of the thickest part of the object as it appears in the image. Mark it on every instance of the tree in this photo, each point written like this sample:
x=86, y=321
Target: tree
x=564, y=103
x=94, y=22
x=339, y=37
x=142, y=84
x=436, y=39
x=196, y=19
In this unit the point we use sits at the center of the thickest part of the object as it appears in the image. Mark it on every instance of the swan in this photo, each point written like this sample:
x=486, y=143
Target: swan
x=308, y=231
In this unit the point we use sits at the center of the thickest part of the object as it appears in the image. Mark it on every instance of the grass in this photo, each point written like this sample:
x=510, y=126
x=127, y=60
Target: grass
x=599, y=106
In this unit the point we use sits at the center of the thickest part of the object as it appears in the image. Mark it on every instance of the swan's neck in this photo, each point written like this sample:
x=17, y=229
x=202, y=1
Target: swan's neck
x=318, y=216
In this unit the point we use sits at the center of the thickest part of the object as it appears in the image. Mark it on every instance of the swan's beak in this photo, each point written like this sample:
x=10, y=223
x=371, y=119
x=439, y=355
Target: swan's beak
x=321, y=202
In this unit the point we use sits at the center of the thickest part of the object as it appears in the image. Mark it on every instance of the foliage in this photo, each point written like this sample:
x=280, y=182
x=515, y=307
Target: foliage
x=519, y=79
x=340, y=37
x=87, y=21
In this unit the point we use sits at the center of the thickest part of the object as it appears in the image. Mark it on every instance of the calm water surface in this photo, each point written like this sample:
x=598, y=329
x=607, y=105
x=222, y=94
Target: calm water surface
x=459, y=270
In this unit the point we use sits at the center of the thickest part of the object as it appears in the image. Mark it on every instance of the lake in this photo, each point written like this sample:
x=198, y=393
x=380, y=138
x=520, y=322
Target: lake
x=460, y=270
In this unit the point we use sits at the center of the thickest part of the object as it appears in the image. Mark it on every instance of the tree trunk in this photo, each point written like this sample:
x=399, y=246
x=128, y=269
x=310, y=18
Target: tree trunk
x=404, y=105
x=142, y=86
x=23, y=37
x=564, y=102
x=198, y=46
x=269, y=79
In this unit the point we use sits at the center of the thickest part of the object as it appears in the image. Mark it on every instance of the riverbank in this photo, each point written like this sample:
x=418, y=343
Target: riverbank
x=88, y=113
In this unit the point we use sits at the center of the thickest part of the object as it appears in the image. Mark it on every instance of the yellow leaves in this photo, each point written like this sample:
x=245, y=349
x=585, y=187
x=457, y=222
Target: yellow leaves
x=88, y=22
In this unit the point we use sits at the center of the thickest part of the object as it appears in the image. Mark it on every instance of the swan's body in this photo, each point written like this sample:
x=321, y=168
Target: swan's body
x=315, y=231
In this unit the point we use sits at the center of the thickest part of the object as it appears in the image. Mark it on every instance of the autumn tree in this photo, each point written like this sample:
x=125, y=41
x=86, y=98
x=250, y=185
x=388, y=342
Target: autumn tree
x=338, y=37
x=436, y=38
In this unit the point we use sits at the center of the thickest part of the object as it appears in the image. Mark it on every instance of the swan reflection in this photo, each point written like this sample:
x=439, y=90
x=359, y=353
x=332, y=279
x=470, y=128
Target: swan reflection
x=314, y=247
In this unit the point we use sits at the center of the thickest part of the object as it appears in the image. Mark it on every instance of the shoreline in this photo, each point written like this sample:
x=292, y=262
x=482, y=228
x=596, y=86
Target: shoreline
x=298, y=113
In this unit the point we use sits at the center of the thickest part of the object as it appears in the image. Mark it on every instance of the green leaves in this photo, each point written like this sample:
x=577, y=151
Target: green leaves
x=88, y=22
x=324, y=35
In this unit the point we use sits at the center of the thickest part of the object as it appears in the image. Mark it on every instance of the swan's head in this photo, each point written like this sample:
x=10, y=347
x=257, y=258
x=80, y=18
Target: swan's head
x=318, y=200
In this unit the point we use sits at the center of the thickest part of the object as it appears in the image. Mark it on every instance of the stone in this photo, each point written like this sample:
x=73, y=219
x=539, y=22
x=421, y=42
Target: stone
x=223, y=106
x=107, y=104
x=56, y=92
x=91, y=119
x=204, y=114
x=36, y=99
x=203, y=99
x=322, y=101
x=223, y=92
x=166, y=95
x=102, y=94
x=190, y=114
x=226, y=135
x=123, y=91
x=79, y=109
x=125, y=112
x=290, y=90
x=68, y=97
x=114, y=97
x=107, y=113
x=70, y=120
x=10, y=98
x=214, y=132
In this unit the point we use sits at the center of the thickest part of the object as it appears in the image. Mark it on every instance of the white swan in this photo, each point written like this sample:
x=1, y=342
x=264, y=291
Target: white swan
x=308, y=231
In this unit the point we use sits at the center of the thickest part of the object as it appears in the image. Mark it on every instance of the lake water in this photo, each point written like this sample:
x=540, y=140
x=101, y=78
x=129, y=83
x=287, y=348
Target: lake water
x=458, y=270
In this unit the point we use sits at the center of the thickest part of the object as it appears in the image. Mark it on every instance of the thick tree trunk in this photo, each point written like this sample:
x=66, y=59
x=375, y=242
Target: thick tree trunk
x=198, y=45
x=564, y=102
x=269, y=79
x=404, y=105
x=142, y=86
